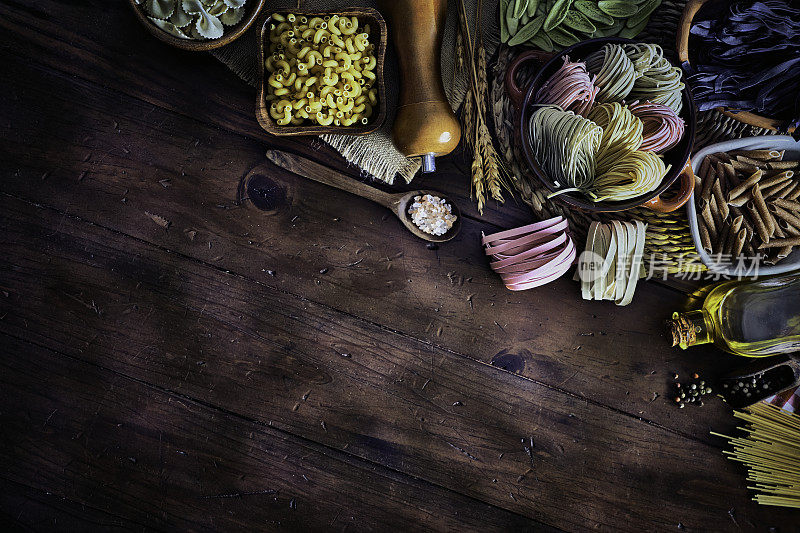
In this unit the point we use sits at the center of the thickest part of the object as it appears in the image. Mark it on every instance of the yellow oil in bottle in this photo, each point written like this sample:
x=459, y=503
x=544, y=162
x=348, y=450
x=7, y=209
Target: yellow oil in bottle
x=750, y=318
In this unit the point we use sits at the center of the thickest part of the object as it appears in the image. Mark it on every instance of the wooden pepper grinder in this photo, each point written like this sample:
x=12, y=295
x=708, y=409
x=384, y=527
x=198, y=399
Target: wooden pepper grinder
x=425, y=126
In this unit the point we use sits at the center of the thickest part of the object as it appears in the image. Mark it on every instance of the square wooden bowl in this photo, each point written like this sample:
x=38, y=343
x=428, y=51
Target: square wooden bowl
x=365, y=15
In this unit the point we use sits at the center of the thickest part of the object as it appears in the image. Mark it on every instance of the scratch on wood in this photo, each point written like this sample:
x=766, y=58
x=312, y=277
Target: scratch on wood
x=465, y=452
x=49, y=417
x=240, y=494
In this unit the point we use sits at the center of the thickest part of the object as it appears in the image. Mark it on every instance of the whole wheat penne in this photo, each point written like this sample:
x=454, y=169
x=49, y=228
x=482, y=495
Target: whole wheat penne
x=705, y=212
x=780, y=243
x=735, y=226
x=783, y=165
x=776, y=190
x=787, y=229
x=789, y=205
x=715, y=213
x=777, y=178
x=757, y=221
x=742, y=199
x=738, y=243
x=708, y=182
x=719, y=246
x=746, y=184
x=794, y=194
x=761, y=207
x=720, y=198
x=730, y=174
x=783, y=214
x=760, y=155
x=751, y=161
x=744, y=167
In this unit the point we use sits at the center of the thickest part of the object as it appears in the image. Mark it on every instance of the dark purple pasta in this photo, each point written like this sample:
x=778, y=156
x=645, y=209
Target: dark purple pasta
x=747, y=58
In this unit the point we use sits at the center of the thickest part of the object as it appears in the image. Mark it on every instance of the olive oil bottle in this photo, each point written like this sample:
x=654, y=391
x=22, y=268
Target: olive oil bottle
x=751, y=318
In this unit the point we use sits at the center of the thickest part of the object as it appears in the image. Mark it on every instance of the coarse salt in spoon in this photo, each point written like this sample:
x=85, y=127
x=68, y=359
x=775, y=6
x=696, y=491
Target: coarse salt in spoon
x=398, y=203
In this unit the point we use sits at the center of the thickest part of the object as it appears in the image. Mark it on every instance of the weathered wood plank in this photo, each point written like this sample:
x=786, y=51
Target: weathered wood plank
x=26, y=509
x=65, y=43
x=104, y=161
x=133, y=453
x=265, y=354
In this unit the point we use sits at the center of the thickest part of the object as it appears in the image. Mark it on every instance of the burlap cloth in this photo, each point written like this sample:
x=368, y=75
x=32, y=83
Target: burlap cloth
x=373, y=153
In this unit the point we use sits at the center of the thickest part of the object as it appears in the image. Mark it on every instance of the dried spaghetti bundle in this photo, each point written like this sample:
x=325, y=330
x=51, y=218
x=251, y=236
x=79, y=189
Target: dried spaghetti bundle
x=632, y=175
x=570, y=88
x=622, y=134
x=662, y=127
x=615, y=72
x=771, y=452
x=565, y=146
x=659, y=82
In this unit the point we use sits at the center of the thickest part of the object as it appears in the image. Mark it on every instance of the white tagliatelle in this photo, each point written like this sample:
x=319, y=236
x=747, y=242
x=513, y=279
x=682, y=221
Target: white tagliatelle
x=611, y=265
x=194, y=19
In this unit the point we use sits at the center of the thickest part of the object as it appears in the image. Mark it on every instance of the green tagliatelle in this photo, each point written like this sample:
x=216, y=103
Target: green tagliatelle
x=194, y=19
x=615, y=72
x=565, y=146
x=658, y=82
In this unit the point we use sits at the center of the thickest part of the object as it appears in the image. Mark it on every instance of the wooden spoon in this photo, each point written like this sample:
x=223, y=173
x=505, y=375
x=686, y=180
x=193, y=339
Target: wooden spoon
x=397, y=202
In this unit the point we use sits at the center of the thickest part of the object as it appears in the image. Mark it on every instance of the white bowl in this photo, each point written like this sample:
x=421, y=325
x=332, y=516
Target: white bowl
x=772, y=142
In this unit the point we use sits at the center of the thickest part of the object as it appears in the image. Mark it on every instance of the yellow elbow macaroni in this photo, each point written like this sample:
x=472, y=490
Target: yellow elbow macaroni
x=320, y=70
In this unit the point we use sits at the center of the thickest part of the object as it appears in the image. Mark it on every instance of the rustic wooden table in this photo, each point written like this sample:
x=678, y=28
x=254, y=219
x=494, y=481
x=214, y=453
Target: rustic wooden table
x=175, y=357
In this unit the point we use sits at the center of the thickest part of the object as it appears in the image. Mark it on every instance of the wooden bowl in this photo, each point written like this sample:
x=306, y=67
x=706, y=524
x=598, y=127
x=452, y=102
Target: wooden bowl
x=676, y=157
x=231, y=32
x=365, y=15
x=689, y=12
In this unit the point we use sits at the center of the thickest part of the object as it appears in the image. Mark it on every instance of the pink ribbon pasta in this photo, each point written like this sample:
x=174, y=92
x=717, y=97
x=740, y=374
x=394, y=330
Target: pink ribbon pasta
x=532, y=255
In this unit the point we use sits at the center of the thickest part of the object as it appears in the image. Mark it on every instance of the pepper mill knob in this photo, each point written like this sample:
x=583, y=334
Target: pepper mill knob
x=425, y=124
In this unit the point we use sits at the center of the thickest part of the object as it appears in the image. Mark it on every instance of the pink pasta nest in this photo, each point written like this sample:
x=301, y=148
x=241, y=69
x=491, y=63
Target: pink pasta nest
x=571, y=88
x=662, y=127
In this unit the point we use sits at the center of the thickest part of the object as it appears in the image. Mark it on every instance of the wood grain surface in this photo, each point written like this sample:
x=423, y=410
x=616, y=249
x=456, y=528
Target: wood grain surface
x=181, y=349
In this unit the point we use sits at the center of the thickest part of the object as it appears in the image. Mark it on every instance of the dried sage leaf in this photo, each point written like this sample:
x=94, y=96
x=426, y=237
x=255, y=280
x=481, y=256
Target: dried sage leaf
x=511, y=20
x=556, y=14
x=618, y=8
x=503, y=21
x=562, y=36
x=578, y=21
x=528, y=31
x=520, y=6
x=591, y=10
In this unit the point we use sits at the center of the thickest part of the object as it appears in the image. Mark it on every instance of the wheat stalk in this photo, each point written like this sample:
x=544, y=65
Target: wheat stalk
x=459, y=51
x=494, y=170
x=468, y=120
x=478, y=180
x=487, y=169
